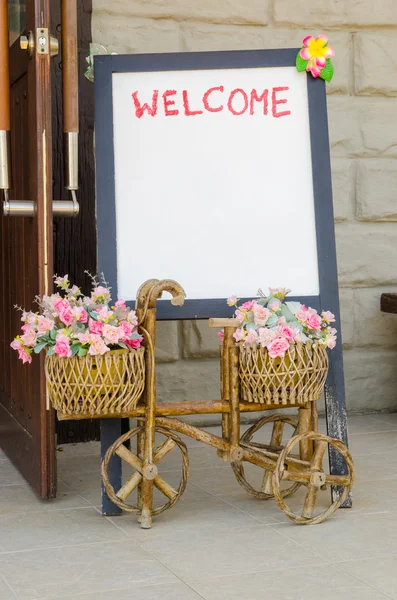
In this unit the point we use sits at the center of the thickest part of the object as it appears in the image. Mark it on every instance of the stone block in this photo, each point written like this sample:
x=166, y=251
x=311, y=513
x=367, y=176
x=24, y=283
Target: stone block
x=250, y=12
x=125, y=35
x=343, y=188
x=204, y=36
x=371, y=380
x=372, y=327
x=199, y=341
x=377, y=125
x=344, y=126
x=167, y=342
x=188, y=380
x=377, y=190
x=346, y=315
x=375, y=63
x=367, y=254
x=334, y=13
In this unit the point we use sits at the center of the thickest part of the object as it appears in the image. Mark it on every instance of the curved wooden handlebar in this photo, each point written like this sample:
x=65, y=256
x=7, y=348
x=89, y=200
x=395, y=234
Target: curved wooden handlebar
x=70, y=94
x=5, y=114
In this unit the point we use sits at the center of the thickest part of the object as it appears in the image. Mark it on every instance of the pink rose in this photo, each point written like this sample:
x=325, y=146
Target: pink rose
x=278, y=347
x=80, y=314
x=252, y=337
x=232, y=301
x=44, y=325
x=127, y=328
x=29, y=338
x=275, y=305
x=221, y=336
x=29, y=318
x=100, y=294
x=132, y=318
x=240, y=316
x=331, y=342
x=62, y=347
x=248, y=305
x=135, y=343
x=239, y=334
x=120, y=304
x=302, y=315
x=104, y=313
x=265, y=336
x=16, y=344
x=97, y=346
x=314, y=322
x=282, y=321
x=84, y=338
x=24, y=356
x=261, y=314
x=287, y=333
x=95, y=327
x=328, y=316
x=112, y=335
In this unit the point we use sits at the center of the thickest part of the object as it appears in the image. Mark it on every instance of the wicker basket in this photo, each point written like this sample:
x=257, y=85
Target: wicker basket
x=296, y=378
x=96, y=385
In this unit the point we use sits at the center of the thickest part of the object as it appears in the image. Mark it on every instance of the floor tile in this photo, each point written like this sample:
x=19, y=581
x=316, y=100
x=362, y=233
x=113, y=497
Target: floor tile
x=373, y=443
x=9, y=474
x=374, y=467
x=325, y=582
x=356, y=536
x=213, y=552
x=169, y=591
x=381, y=573
x=196, y=510
x=55, y=528
x=82, y=569
x=5, y=591
x=21, y=498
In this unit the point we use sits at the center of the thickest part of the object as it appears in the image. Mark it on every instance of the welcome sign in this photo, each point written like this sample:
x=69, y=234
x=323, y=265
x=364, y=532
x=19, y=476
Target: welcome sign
x=213, y=169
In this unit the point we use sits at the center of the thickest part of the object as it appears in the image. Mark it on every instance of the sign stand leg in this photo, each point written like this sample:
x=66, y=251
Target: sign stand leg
x=335, y=407
x=110, y=431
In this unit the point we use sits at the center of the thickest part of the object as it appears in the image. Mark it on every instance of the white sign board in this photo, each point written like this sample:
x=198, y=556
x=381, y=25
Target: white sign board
x=213, y=181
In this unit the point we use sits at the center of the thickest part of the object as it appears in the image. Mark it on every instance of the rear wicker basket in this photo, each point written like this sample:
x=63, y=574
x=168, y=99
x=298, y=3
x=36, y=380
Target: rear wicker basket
x=296, y=378
x=96, y=385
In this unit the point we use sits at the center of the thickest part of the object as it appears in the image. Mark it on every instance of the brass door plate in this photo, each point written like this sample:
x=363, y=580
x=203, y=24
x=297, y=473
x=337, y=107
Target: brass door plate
x=44, y=43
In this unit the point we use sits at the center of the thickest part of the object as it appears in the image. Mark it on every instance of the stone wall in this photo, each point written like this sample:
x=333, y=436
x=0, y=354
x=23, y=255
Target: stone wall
x=362, y=105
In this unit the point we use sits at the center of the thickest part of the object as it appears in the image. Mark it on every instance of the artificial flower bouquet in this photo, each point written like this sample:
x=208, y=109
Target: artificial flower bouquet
x=69, y=324
x=273, y=324
x=95, y=363
x=283, y=346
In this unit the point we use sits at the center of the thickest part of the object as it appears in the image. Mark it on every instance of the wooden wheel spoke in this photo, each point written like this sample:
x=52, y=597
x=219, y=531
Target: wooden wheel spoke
x=165, y=487
x=129, y=457
x=342, y=480
x=310, y=501
x=275, y=441
x=163, y=449
x=318, y=455
x=129, y=486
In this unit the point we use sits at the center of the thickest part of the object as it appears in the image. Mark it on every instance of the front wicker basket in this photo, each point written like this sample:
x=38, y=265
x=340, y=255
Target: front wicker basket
x=296, y=378
x=96, y=385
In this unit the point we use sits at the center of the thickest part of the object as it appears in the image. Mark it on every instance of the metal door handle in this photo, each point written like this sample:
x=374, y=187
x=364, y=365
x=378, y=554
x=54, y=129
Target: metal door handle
x=43, y=43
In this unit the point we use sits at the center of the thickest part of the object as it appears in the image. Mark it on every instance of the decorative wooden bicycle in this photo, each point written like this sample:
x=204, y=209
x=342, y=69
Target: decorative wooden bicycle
x=280, y=464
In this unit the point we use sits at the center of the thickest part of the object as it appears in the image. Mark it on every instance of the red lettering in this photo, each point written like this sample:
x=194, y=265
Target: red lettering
x=140, y=109
x=167, y=103
x=262, y=98
x=207, y=95
x=275, y=102
x=231, y=97
x=188, y=112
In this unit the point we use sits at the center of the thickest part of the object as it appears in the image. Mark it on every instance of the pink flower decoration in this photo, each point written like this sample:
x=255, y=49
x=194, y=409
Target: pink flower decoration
x=261, y=314
x=287, y=333
x=97, y=346
x=265, y=336
x=248, y=305
x=314, y=322
x=328, y=316
x=316, y=52
x=24, y=356
x=232, y=301
x=135, y=343
x=29, y=338
x=62, y=347
x=221, y=336
x=95, y=327
x=239, y=334
x=278, y=347
x=251, y=338
x=44, y=325
x=112, y=335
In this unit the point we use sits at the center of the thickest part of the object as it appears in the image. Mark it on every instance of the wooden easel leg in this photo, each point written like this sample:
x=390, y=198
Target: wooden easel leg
x=110, y=431
x=335, y=408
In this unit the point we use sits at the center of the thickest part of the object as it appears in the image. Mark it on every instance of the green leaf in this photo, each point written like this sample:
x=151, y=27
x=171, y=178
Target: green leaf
x=285, y=312
x=252, y=325
x=294, y=307
x=75, y=348
x=50, y=351
x=82, y=351
x=94, y=315
x=301, y=64
x=53, y=334
x=39, y=347
x=121, y=345
x=272, y=320
x=328, y=71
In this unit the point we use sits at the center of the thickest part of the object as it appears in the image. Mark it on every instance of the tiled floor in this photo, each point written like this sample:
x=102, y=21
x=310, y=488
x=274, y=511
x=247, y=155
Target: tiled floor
x=217, y=543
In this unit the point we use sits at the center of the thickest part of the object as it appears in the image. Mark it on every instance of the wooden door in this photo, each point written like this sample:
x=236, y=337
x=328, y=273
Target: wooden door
x=26, y=428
